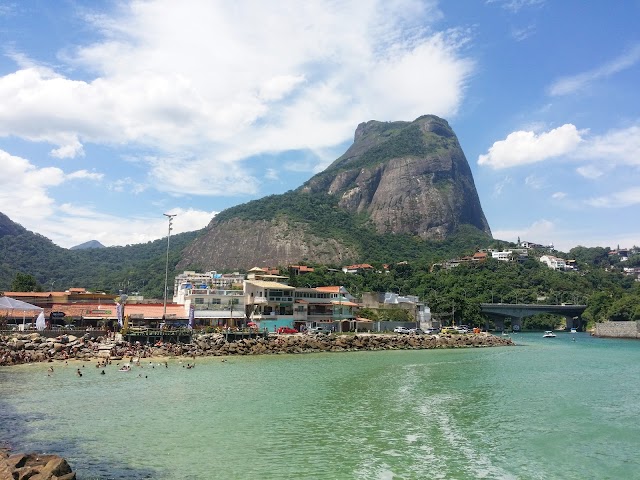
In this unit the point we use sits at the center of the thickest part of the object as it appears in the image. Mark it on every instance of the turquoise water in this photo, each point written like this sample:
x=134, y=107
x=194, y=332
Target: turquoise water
x=547, y=408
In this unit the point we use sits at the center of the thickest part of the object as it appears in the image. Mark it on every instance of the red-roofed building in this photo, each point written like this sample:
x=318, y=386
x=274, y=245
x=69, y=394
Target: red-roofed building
x=358, y=268
x=299, y=270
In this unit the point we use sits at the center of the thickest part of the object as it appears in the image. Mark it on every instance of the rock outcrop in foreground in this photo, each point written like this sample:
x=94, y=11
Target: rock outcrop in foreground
x=34, y=348
x=34, y=466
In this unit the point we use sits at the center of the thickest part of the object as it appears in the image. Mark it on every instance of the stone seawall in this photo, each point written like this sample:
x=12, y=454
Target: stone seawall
x=34, y=348
x=618, y=329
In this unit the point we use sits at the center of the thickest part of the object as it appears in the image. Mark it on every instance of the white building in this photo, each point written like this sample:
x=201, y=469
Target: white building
x=554, y=263
x=214, y=300
x=190, y=279
x=503, y=256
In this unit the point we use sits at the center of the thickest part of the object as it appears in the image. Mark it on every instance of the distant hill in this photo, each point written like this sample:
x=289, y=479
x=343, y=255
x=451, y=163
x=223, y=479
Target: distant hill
x=8, y=227
x=138, y=267
x=402, y=189
x=89, y=244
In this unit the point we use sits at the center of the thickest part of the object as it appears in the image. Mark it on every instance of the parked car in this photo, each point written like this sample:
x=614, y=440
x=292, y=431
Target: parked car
x=70, y=327
x=449, y=330
x=401, y=330
x=462, y=329
x=416, y=331
x=319, y=330
x=286, y=330
x=432, y=331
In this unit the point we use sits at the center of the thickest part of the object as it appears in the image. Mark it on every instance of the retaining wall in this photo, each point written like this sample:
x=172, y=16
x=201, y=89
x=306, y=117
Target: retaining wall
x=618, y=329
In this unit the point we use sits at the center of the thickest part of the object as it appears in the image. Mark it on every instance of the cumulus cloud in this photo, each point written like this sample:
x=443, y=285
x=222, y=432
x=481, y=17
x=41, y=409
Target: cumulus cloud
x=220, y=82
x=525, y=147
x=24, y=187
x=559, y=195
x=615, y=147
x=574, y=83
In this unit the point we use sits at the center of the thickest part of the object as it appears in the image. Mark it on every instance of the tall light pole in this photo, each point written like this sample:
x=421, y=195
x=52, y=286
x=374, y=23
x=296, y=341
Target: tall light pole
x=166, y=268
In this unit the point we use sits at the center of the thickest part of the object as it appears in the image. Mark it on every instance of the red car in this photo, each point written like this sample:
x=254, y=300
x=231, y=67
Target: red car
x=287, y=330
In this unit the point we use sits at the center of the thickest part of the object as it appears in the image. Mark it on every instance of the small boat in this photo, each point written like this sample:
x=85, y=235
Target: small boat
x=573, y=330
x=548, y=334
x=505, y=334
x=126, y=368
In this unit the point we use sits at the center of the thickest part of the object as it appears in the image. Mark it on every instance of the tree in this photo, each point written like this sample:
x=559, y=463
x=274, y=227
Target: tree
x=23, y=282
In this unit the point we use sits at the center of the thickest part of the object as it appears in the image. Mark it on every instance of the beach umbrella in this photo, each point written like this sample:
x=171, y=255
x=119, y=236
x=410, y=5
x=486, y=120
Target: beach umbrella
x=40, y=322
x=9, y=303
x=192, y=316
x=119, y=314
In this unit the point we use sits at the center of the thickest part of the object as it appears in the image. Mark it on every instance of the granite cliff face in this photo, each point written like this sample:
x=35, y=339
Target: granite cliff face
x=409, y=177
x=406, y=179
x=239, y=243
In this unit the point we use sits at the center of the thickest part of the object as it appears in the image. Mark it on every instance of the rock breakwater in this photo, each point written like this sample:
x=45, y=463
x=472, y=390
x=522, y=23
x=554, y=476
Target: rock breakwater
x=31, y=348
x=34, y=466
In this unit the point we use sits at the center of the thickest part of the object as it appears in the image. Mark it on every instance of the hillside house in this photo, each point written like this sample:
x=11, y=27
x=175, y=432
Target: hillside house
x=554, y=263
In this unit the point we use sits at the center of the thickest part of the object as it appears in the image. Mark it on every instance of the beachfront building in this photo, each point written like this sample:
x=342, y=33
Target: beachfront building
x=217, y=299
x=331, y=308
x=268, y=302
x=190, y=279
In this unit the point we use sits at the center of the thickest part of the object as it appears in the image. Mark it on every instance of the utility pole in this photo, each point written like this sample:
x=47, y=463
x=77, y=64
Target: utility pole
x=166, y=268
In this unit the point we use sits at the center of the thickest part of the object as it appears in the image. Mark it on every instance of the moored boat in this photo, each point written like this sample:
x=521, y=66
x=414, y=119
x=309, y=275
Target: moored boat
x=548, y=334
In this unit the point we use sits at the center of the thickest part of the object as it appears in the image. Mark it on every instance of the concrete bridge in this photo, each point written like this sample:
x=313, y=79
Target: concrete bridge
x=517, y=311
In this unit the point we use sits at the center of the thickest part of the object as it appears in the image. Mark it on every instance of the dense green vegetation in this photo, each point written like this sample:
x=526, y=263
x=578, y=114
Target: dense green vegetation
x=31, y=262
x=458, y=292
x=131, y=268
x=320, y=212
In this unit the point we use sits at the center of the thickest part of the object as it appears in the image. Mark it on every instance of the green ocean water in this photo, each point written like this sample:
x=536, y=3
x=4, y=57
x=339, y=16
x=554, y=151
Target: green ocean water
x=545, y=409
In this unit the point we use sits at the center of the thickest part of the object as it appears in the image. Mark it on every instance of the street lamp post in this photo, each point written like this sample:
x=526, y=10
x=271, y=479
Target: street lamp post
x=166, y=268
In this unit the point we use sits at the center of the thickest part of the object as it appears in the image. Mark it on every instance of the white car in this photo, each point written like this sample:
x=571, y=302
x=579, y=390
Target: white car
x=401, y=330
x=319, y=330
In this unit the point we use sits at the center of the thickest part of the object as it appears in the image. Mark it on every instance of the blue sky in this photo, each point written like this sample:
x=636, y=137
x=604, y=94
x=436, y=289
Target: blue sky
x=113, y=113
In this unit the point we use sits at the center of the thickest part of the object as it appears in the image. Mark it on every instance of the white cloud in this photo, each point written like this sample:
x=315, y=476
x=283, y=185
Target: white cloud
x=540, y=231
x=620, y=199
x=515, y=6
x=559, y=195
x=520, y=34
x=589, y=171
x=84, y=174
x=620, y=146
x=500, y=186
x=217, y=83
x=271, y=174
x=76, y=224
x=535, y=182
x=525, y=147
x=571, y=84
x=127, y=184
x=23, y=188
